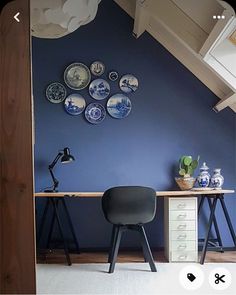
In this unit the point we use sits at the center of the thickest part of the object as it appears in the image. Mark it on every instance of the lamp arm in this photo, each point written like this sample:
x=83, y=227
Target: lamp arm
x=55, y=181
x=55, y=160
x=51, y=166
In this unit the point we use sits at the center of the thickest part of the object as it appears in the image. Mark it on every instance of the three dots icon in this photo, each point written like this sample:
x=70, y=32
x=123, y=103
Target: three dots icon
x=218, y=17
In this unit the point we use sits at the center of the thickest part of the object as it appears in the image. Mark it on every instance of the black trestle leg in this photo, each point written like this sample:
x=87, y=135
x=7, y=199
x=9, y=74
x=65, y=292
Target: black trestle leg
x=112, y=243
x=216, y=227
x=146, y=248
x=61, y=231
x=202, y=198
x=116, y=248
x=231, y=229
x=51, y=227
x=43, y=221
x=71, y=225
x=208, y=231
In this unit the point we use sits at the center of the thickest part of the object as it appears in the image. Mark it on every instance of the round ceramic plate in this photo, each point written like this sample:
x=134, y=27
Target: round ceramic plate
x=77, y=76
x=113, y=75
x=97, y=68
x=95, y=113
x=99, y=89
x=75, y=104
x=56, y=92
x=119, y=106
x=128, y=83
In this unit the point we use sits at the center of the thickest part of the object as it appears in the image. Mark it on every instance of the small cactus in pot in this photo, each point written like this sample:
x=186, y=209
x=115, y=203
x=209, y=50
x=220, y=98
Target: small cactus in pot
x=187, y=166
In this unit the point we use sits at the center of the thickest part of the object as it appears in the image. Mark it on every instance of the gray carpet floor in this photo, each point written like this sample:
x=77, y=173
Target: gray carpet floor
x=128, y=278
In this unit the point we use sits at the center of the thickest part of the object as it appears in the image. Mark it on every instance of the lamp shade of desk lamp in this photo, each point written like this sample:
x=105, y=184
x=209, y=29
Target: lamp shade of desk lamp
x=65, y=157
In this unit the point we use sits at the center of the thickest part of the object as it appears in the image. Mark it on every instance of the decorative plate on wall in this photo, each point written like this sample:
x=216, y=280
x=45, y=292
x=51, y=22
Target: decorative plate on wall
x=119, y=106
x=95, y=113
x=56, y=92
x=99, y=89
x=128, y=83
x=113, y=75
x=77, y=76
x=75, y=104
x=97, y=68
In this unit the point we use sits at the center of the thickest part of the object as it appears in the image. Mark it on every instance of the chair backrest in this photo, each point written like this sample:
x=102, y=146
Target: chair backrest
x=129, y=205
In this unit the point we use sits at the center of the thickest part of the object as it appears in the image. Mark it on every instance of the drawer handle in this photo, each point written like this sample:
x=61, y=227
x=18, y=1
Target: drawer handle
x=182, y=257
x=182, y=247
x=181, y=237
x=182, y=216
x=182, y=226
x=181, y=206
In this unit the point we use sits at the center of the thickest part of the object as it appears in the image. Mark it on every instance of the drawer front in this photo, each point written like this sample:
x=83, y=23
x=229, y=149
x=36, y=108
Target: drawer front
x=177, y=235
x=184, y=256
x=183, y=215
x=182, y=204
x=183, y=246
x=183, y=225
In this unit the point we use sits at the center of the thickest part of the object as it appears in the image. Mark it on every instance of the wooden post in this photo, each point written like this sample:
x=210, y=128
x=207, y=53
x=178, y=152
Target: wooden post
x=17, y=241
x=141, y=18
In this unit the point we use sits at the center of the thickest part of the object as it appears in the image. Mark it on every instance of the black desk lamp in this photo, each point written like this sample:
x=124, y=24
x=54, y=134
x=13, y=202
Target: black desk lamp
x=66, y=157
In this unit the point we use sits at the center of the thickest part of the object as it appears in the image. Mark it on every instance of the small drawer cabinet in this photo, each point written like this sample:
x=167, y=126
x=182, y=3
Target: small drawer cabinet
x=181, y=237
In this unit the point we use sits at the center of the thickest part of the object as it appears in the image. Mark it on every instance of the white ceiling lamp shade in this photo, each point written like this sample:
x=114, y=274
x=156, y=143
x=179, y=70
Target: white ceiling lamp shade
x=56, y=18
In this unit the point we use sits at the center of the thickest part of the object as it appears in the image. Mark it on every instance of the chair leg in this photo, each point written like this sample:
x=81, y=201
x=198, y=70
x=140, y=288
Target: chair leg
x=116, y=248
x=146, y=248
x=112, y=243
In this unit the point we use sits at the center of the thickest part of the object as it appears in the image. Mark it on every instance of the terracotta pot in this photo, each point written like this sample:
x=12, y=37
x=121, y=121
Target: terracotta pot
x=185, y=183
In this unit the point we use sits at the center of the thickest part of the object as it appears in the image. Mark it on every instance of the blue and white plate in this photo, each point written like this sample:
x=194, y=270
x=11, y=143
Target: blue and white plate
x=56, y=92
x=97, y=68
x=128, y=83
x=99, y=89
x=119, y=106
x=77, y=76
x=95, y=113
x=75, y=104
x=113, y=75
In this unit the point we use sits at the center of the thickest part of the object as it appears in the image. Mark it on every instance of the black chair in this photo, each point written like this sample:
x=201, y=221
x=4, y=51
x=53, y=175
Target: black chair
x=128, y=208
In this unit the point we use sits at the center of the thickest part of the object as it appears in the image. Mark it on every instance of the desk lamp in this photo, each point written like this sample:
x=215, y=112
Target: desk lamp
x=66, y=157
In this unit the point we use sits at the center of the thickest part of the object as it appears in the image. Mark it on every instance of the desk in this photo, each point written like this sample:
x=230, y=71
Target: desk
x=212, y=197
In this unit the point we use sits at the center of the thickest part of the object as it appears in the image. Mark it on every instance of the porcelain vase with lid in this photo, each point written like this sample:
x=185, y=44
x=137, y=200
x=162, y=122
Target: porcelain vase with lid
x=217, y=180
x=204, y=177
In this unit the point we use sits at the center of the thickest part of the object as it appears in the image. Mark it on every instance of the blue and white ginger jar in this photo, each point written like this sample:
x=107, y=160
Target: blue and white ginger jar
x=204, y=177
x=217, y=180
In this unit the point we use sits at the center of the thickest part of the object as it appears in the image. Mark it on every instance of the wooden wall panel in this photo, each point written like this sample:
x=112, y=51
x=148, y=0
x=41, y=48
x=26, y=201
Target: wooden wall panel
x=17, y=242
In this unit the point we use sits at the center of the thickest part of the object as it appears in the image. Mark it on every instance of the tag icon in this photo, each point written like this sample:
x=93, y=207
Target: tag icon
x=191, y=277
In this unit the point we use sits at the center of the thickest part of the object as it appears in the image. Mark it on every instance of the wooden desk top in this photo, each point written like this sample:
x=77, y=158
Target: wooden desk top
x=158, y=193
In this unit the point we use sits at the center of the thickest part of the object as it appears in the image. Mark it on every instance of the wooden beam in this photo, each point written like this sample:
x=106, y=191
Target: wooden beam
x=226, y=102
x=141, y=17
x=17, y=243
x=128, y=6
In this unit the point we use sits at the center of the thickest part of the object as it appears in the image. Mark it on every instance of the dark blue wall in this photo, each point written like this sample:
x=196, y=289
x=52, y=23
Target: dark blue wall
x=171, y=116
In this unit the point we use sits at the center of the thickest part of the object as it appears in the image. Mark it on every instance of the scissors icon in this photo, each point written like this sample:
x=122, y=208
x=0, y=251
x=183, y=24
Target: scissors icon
x=219, y=278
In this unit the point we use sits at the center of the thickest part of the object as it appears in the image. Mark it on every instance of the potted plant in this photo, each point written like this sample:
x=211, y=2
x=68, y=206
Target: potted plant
x=187, y=167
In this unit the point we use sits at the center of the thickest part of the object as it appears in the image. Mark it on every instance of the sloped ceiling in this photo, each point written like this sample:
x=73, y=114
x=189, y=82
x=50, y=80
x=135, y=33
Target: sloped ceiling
x=182, y=28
